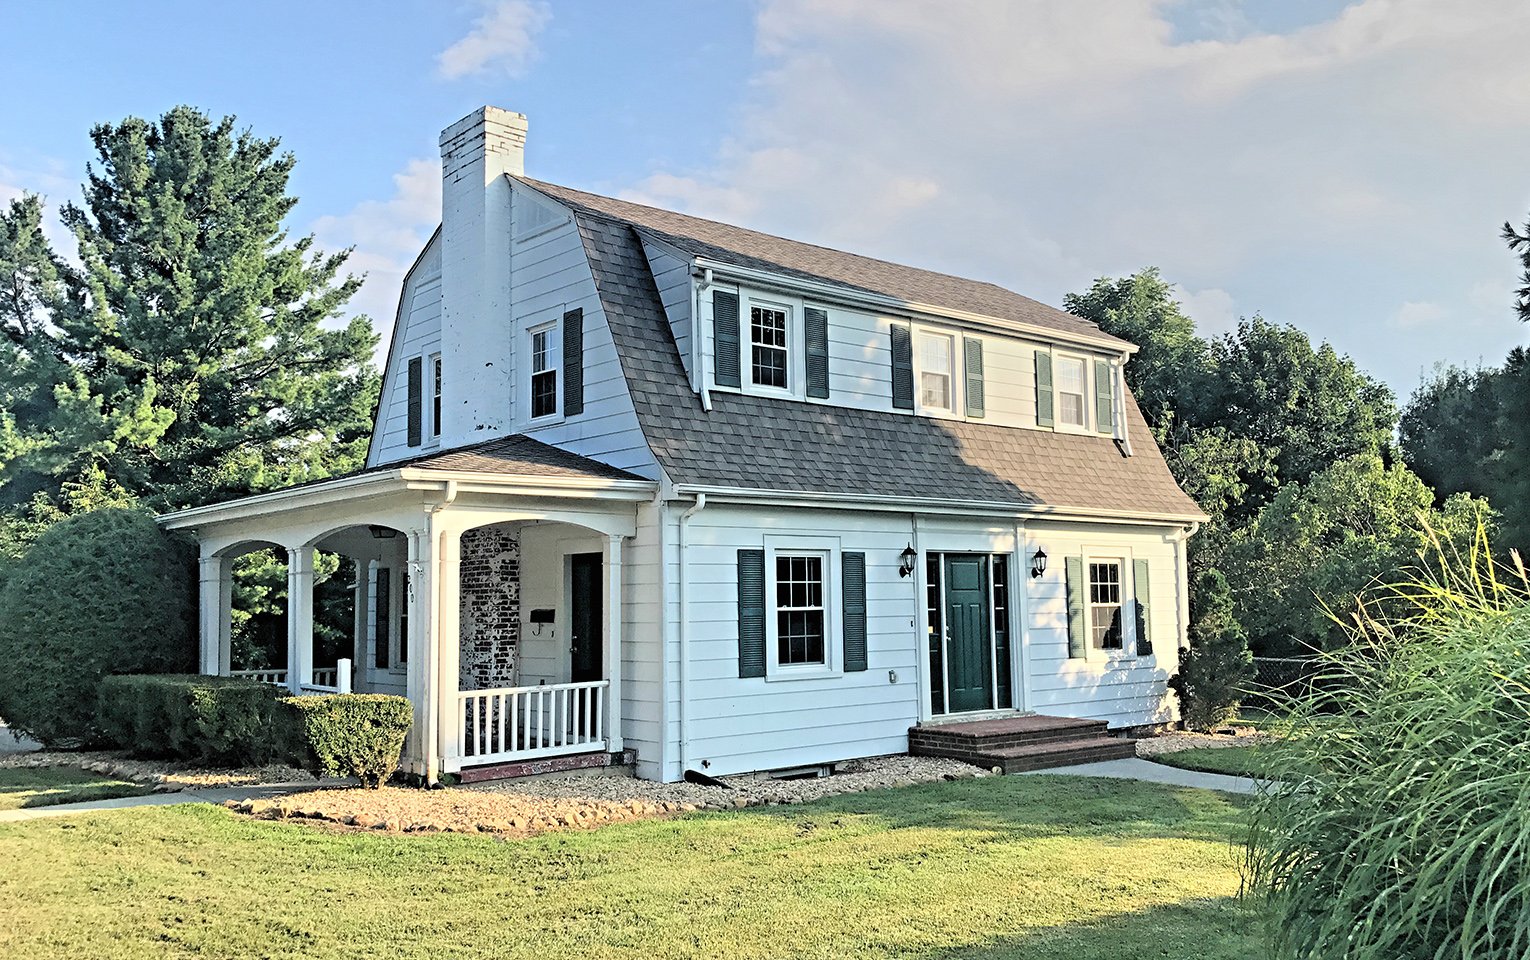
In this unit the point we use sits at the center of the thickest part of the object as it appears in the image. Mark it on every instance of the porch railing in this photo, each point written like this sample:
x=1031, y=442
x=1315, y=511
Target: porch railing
x=524, y=723
x=325, y=679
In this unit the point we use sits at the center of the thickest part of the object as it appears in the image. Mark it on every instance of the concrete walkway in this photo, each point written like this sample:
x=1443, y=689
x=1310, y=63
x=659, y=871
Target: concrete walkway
x=1150, y=772
x=215, y=795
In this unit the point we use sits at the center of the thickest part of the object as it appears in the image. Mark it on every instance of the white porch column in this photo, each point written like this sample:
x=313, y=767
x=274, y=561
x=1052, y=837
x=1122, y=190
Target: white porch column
x=419, y=675
x=446, y=639
x=612, y=606
x=214, y=602
x=299, y=618
x=359, y=620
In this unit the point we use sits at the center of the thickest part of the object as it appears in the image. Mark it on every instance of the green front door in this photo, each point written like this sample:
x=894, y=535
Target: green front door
x=969, y=641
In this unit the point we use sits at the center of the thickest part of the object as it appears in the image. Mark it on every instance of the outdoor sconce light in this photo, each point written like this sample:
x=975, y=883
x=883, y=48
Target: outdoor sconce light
x=1038, y=563
x=382, y=533
x=906, y=561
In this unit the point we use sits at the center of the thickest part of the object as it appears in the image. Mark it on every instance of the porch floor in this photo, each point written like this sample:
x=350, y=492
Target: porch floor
x=1018, y=744
x=547, y=765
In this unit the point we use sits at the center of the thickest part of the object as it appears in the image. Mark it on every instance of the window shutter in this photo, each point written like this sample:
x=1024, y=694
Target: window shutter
x=902, y=368
x=1078, y=639
x=416, y=399
x=751, y=613
x=1043, y=389
x=972, y=350
x=1140, y=588
x=853, y=590
x=725, y=338
x=1104, y=398
x=815, y=323
x=573, y=362
x=382, y=617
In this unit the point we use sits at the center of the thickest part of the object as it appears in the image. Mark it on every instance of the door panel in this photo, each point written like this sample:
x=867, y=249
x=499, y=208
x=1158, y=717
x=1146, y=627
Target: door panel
x=969, y=641
x=586, y=617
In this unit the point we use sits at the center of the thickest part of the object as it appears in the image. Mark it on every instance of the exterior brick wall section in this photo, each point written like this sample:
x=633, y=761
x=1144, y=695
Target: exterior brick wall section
x=491, y=607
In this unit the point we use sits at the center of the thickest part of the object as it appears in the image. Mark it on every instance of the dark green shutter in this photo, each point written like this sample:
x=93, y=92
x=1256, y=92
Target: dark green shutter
x=815, y=329
x=853, y=590
x=1078, y=635
x=416, y=399
x=1104, y=398
x=573, y=362
x=382, y=617
x=751, y=613
x=902, y=368
x=1043, y=388
x=972, y=350
x=1140, y=588
x=725, y=337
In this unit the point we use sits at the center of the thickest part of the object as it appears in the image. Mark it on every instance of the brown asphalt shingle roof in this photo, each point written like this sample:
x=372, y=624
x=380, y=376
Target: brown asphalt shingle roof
x=761, y=251
x=515, y=455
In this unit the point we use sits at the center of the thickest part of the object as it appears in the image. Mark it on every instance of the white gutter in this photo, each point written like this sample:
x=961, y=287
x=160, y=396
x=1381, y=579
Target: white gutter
x=836, y=293
x=858, y=501
x=685, y=631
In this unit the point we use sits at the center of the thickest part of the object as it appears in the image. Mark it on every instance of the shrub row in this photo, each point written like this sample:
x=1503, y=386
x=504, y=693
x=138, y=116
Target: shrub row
x=230, y=721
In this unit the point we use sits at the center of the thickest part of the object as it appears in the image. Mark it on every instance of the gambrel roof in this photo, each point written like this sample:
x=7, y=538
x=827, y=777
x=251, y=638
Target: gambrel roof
x=764, y=443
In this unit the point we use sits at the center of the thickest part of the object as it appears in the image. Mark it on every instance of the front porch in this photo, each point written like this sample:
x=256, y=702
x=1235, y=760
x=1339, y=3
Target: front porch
x=491, y=601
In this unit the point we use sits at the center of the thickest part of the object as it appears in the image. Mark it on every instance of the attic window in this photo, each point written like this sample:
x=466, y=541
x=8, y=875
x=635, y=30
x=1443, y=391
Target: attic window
x=1072, y=387
x=767, y=346
x=544, y=373
x=935, y=372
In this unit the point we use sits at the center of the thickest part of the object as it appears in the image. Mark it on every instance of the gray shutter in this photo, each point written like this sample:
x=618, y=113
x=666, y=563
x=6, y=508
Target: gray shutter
x=416, y=399
x=1043, y=388
x=1104, y=398
x=815, y=328
x=1140, y=588
x=972, y=350
x=751, y=613
x=853, y=591
x=725, y=338
x=1078, y=636
x=573, y=362
x=902, y=368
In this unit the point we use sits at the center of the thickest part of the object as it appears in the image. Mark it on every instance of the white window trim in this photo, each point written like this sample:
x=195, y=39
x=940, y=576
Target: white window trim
x=1089, y=390
x=958, y=409
x=833, y=638
x=1128, y=651
x=796, y=364
x=555, y=364
x=433, y=420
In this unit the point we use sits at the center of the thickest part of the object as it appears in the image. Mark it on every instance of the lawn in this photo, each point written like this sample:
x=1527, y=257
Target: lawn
x=45, y=786
x=1037, y=867
x=1233, y=761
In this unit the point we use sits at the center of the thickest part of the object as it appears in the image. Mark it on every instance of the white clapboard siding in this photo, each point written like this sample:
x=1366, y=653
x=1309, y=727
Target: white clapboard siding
x=416, y=334
x=672, y=275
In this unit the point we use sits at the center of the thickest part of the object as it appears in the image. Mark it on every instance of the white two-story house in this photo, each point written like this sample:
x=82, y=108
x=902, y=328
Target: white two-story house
x=645, y=482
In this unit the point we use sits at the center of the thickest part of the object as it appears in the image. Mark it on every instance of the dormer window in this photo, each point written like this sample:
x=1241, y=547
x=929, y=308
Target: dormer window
x=935, y=372
x=544, y=372
x=435, y=395
x=768, y=354
x=1072, y=388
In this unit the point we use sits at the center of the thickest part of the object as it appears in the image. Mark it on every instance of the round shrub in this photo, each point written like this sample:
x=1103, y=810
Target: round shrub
x=354, y=734
x=99, y=593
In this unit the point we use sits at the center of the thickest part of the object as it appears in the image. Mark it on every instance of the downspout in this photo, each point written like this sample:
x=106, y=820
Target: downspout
x=685, y=632
x=432, y=628
x=697, y=353
x=1118, y=370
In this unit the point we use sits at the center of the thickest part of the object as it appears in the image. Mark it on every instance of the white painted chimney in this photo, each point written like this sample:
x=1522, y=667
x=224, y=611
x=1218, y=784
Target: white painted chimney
x=477, y=354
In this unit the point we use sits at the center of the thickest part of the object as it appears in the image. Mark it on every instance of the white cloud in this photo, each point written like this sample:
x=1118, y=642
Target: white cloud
x=1418, y=313
x=504, y=39
x=1212, y=310
x=47, y=179
x=387, y=236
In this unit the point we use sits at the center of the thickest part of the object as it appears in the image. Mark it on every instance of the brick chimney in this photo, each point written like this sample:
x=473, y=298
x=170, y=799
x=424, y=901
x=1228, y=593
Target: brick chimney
x=477, y=355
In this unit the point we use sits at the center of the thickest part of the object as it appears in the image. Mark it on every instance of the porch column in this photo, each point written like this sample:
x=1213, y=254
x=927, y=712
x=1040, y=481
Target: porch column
x=419, y=672
x=612, y=607
x=448, y=644
x=214, y=602
x=359, y=620
x=299, y=618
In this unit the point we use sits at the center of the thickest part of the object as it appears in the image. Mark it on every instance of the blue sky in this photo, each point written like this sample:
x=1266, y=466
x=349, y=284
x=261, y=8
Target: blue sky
x=1343, y=167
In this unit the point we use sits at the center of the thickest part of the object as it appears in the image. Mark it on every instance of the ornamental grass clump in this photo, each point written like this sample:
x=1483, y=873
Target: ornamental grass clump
x=1402, y=830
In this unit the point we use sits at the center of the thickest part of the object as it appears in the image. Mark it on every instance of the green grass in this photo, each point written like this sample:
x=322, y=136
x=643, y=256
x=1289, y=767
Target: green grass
x=1233, y=761
x=1035, y=867
x=45, y=786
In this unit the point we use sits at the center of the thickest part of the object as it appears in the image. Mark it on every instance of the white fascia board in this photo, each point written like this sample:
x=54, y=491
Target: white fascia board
x=922, y=311
x=846, y=501
x=533, y=486
x=312, y=495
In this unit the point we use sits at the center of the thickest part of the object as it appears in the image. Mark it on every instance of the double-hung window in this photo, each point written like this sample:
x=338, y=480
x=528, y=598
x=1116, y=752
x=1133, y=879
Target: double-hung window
x=435, y=395
x=768, y=352
x=544, y=371
x=1105, y=627
x=936, y=376
x=801, y=627
x=1072, y=390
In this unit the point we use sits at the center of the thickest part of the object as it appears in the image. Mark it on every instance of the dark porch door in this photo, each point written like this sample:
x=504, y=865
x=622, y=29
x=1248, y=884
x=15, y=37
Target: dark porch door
x=969, y=641
x=586, y=630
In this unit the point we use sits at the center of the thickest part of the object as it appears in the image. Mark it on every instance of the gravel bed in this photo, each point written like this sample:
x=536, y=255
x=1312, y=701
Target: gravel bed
x=1151, y=747
x=166, y=776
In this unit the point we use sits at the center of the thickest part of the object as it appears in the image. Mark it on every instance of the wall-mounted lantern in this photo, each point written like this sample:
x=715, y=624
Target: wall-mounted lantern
x=1038, y=563
x=906, y=561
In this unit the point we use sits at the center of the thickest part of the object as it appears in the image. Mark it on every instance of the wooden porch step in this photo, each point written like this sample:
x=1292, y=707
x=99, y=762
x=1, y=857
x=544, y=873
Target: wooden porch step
x=1017, y=744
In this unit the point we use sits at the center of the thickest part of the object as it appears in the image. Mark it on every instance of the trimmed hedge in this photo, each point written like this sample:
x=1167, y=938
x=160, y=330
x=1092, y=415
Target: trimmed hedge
x=357, y=735
x=216, y=721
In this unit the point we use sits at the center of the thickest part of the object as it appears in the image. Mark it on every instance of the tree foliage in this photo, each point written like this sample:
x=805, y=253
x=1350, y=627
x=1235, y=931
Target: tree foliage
x=1217, y=668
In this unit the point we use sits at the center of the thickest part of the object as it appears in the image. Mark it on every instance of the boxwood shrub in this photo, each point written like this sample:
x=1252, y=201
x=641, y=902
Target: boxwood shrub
x=214, y=721
x=355, y=734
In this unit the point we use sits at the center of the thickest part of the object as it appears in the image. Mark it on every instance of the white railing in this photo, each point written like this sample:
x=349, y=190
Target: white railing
x=278, y=677
x=325, y=679
x=523, y=723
